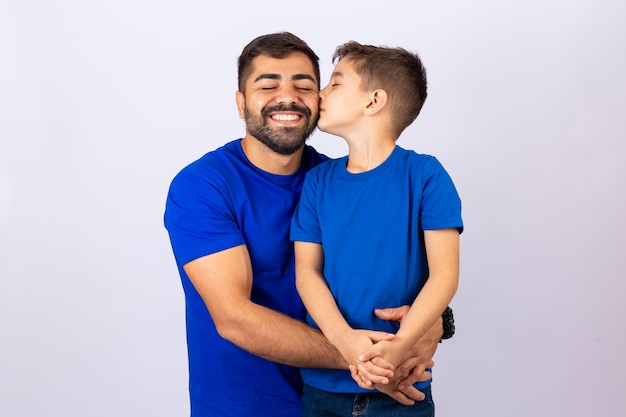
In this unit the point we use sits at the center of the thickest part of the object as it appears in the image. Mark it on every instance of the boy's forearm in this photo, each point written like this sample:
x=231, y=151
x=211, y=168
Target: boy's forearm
x=320, y=303
x=423, y=316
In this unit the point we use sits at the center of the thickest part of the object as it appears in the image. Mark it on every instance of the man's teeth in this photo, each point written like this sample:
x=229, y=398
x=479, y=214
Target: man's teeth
x=285, y=117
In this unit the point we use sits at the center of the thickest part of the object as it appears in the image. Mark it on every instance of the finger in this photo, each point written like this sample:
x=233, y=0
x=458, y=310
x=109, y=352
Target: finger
x=414, y=376
x=408, y=365
x=413, y=393
x=392, y=313
x=412, y=366
x=374, y=374
x=372, y=354
x=398, y=396
x=379, y=336
x=381, y=363
x=364, y=383
x=376, y=365
x=353, y=371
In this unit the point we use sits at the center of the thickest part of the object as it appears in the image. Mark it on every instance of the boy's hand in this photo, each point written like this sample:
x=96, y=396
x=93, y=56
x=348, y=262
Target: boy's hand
x=356, y=341
x=374, y=366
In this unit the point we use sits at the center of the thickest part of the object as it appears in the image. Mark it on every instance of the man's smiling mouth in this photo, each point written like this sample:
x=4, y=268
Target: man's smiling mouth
x=285, y=117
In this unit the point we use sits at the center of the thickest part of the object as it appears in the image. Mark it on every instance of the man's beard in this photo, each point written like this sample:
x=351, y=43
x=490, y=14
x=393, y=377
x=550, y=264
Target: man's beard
x=282, y=140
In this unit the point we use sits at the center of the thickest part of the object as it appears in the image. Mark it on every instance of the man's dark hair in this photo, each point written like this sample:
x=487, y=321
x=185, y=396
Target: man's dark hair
x=275, y=45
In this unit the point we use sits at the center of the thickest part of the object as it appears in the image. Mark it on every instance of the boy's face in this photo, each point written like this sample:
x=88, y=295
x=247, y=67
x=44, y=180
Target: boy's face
x=281, y=101
x=342, y=101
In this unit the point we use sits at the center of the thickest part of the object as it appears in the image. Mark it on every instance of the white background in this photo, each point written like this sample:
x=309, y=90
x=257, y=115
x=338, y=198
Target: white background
x=102, y=102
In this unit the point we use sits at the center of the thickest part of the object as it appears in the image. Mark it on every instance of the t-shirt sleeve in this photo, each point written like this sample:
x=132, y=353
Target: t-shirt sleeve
x=199, y=217
x=441, y=204
x=305, y=226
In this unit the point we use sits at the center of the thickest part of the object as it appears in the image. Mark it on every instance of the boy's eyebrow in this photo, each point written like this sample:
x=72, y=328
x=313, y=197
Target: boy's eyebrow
x=294, y=77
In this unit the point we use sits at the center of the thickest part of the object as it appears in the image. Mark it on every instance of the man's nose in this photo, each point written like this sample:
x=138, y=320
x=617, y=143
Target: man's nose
x=287, y=94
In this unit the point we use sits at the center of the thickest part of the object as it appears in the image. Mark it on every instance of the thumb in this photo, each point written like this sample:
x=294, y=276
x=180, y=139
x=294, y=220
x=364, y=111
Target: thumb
x=380, y=336
x=392, y=313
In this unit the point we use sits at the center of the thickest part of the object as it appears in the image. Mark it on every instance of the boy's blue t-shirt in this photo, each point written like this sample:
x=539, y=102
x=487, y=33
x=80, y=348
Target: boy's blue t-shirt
x=218, y=202
x=371, y=228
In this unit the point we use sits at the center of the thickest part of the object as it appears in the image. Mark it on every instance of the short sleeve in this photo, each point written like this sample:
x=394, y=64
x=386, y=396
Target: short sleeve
x=305, y=225
x=441, y=204
x=199, y=216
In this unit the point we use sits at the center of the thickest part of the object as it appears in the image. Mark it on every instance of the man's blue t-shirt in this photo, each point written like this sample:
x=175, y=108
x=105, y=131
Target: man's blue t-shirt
x=371, y=228
x=218, y=202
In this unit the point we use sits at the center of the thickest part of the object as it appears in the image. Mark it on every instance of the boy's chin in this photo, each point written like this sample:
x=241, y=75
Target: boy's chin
x=321, y=126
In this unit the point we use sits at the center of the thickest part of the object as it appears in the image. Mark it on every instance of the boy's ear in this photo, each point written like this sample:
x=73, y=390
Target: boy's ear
x=378, y=100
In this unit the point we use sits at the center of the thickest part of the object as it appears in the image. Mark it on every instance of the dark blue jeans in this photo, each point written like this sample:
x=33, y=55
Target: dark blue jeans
x=317, y=403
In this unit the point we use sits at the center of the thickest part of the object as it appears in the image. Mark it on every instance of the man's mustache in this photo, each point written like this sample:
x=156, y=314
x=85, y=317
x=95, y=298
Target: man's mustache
x=283, y=107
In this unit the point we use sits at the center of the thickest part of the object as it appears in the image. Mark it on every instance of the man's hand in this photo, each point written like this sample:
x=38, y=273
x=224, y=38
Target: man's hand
x=426, y=347
x=413, y=369
x=408, y=394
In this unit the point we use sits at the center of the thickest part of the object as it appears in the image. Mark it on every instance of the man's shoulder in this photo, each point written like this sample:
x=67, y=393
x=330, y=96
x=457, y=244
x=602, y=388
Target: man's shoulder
x=212, y=161
x=327, y=172
x=214, y=170
x=312, y=158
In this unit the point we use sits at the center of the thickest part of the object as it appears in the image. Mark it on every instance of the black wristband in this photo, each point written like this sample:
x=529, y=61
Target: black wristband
x=448, y=324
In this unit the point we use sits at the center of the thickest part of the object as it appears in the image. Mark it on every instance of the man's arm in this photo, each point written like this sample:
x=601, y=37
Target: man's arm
x=413, y=369
x=224, y=281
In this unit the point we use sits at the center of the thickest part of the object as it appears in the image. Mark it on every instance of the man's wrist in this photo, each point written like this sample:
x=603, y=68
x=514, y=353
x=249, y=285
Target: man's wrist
x=448, y=324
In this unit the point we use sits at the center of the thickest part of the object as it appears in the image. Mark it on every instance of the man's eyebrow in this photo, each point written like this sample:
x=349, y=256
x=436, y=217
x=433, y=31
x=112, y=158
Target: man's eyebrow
x=268, y=77
x=295, y=77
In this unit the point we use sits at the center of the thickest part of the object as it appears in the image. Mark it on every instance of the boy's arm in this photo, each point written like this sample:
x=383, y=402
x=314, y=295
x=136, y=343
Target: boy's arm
x=321, y=305
x=442, y=252
x=224, y=281
x=314, y=291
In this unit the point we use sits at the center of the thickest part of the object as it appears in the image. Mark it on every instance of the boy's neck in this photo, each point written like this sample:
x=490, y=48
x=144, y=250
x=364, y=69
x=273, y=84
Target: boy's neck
x=365, y=156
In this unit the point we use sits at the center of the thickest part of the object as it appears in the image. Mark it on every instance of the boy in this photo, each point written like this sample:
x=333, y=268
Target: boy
x=378, y=227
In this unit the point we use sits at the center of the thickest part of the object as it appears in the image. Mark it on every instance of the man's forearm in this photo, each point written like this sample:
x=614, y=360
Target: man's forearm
x=255, y=328
x=279, y=338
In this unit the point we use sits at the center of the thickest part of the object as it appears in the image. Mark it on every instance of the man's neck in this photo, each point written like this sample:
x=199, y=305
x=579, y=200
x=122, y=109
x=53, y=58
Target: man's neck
x=268, y=160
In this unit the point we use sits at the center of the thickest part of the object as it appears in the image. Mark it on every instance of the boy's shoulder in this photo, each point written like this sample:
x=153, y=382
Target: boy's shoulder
x=413, y=157
x=328, y=165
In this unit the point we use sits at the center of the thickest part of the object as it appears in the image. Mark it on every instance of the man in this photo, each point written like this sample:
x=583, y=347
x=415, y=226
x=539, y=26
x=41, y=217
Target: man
x=228, y=216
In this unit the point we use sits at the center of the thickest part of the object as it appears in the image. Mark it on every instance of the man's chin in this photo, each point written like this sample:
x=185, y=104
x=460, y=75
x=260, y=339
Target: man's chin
x=286, y=150
x=281, y=147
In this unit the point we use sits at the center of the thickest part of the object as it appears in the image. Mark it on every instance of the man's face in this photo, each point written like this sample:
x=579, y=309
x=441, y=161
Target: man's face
x=281, y=102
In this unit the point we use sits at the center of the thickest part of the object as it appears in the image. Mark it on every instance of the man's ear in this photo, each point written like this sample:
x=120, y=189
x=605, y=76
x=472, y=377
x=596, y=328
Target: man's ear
x=241, y=103
x=378, y=100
